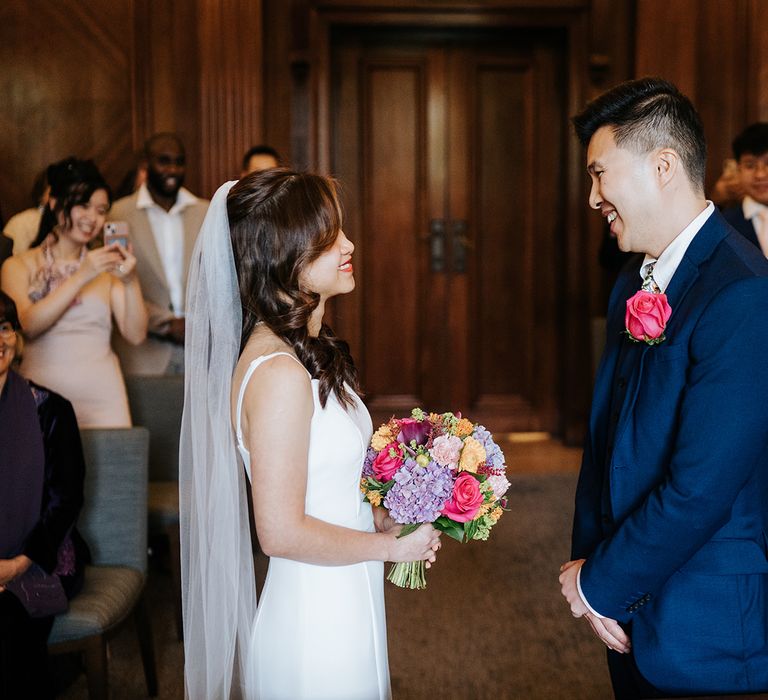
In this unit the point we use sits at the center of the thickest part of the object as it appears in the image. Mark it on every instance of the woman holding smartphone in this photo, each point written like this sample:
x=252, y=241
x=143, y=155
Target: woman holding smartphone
x=67, y=296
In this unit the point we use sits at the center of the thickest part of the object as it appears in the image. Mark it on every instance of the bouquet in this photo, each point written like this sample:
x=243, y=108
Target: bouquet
x=435, y=468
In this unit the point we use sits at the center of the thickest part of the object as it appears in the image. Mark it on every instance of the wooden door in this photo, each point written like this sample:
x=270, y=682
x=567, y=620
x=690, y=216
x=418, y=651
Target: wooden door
x=447, y=148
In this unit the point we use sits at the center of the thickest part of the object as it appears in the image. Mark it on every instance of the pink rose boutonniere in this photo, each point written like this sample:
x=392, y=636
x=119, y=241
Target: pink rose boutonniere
x=646, y=317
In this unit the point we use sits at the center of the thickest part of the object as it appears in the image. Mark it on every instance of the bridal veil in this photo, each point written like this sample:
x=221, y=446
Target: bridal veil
x=218, y=588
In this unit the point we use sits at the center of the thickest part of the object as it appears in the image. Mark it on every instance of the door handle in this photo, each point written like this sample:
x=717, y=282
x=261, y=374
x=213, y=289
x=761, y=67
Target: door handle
x=437, y=245
x=460, y=245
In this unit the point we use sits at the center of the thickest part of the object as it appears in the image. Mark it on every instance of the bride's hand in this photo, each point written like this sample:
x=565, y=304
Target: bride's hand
x=381, y=520
x=422, y=544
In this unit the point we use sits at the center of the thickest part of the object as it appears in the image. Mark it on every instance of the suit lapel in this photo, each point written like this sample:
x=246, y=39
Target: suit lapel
x=190, y=222
x=143, y=231
x=614, y=353
x=701, y=248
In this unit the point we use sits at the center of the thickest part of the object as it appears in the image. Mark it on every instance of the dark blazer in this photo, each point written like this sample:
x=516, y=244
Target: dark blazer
x=735, y=217
x=672, y=500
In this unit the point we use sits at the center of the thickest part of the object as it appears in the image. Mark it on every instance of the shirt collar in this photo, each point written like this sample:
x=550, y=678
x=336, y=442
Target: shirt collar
x=184, y=198
x=667, y=263
x=751, y=208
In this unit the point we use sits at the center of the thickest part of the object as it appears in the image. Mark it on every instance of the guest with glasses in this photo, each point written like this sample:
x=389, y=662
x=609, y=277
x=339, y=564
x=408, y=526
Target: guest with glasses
x=42, y=471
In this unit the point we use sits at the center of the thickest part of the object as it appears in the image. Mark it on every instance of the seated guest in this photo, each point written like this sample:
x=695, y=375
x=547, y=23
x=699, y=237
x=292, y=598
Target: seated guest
x=23, y=227
x=67, y=296
x=42, y=472
x=750, y=216
x=259, y=158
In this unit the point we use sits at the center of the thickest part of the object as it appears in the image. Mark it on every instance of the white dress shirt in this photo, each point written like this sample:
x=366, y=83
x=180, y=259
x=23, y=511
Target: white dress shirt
x=168, y=230
x=663, y=270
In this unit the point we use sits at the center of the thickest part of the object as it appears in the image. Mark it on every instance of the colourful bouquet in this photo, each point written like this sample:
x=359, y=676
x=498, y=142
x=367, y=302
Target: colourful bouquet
x=435, y=468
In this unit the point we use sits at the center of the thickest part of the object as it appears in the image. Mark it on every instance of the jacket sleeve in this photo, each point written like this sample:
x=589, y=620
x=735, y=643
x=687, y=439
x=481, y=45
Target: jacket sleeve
x=720, y=449
x=64, y=476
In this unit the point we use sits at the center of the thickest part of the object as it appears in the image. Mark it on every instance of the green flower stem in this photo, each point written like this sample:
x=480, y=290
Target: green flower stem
x=411, y=574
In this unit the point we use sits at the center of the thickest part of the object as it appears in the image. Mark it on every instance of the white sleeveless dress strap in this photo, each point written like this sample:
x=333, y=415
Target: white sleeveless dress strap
x=247, y=378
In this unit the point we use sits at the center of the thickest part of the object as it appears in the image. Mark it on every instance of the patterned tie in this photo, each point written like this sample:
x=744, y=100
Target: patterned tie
x=649, y=284
x=761, y=221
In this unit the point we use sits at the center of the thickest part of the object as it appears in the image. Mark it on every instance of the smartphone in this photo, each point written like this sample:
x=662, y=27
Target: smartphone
x=116, y=232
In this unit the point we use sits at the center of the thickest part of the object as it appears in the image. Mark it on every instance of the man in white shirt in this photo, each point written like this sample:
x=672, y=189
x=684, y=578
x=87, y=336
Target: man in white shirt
x=669, y=559
x=164, y=219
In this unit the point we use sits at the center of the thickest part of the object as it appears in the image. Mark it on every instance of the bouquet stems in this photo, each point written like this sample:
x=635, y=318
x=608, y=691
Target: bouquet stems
x=410, y=574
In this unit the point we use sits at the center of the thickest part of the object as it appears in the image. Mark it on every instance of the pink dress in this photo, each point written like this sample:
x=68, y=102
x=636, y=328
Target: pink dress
x=74, y=357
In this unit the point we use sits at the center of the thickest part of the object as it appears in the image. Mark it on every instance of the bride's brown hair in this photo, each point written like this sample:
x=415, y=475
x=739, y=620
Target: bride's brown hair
x=280, y=221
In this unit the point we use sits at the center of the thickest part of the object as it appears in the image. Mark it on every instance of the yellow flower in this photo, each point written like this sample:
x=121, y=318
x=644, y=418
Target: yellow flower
x=463, y=427
x=374, y=498
x=382, y=437
x=472, y=455
x=484, y=509
x=496, y=513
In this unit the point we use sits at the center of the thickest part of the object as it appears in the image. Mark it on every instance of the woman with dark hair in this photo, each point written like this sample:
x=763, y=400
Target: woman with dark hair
x=67, y=296
x=267, y=378
x=41, y=470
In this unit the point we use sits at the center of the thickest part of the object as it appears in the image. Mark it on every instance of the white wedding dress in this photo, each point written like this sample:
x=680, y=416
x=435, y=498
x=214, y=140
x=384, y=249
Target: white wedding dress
x=320, y=631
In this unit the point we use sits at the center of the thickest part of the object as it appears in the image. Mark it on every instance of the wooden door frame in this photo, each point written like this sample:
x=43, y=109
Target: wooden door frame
x=570, y=16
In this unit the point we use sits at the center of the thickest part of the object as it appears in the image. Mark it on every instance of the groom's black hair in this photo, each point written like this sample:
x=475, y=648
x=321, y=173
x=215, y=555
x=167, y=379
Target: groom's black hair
x=646, y=114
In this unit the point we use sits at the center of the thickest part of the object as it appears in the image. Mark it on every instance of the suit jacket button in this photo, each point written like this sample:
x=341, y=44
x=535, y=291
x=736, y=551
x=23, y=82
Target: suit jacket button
x=622, y=382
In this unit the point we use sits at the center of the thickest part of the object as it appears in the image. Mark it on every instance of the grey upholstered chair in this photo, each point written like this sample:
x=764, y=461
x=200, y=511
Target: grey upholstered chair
x=114, y=523
x=156, y=403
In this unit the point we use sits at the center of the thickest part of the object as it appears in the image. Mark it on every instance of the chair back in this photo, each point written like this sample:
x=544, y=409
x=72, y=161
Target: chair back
x=156, y=403
x=113, y=520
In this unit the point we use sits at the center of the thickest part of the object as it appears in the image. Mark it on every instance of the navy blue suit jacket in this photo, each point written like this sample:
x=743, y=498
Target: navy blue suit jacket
x=735, y=217
x=672, y=500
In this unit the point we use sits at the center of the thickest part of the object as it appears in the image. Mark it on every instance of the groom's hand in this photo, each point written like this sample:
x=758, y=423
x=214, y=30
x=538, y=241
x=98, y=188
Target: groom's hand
x=609, y=631
x=569, y=588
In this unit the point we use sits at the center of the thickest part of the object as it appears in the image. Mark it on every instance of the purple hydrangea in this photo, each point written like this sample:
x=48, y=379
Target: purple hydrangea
x=419, y=493
x=493, y=452
x=370, y=456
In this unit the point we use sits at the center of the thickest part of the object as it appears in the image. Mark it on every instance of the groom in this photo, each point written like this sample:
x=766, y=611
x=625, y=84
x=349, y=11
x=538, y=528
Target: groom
x=671, y=526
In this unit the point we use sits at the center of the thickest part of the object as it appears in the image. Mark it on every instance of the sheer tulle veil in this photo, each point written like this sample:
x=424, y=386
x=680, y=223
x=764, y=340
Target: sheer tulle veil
x=218, y=589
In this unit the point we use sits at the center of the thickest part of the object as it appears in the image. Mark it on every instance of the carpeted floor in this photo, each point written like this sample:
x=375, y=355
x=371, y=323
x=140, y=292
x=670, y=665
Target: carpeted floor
x=491, y=623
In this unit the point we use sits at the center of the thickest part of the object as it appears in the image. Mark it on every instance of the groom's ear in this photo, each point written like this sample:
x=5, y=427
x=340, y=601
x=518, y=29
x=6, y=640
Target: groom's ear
x=667, y=163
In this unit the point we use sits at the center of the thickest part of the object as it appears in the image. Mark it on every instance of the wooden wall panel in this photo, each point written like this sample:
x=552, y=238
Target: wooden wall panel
x=66, y=89
x=230, y=86
x=167, y=84
x=713, y=51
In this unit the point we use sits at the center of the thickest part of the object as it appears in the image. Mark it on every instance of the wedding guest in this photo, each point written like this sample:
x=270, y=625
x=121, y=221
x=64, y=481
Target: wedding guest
x=750, y=216
x=67, y=296
x=261, y=157
x=266, y=378
x=164, y=219
x=24, y=226
x=668, y=559
x=42, y=471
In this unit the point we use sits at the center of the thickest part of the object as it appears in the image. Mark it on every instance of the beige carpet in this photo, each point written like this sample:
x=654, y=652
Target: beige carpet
x=491, y=623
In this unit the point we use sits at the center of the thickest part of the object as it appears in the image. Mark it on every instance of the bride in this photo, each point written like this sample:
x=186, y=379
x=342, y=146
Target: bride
x=265, y=377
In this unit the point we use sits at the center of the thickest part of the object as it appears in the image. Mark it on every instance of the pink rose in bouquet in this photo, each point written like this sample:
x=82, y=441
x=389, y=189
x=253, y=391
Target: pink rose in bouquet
x=387, y=462
x=646, y=317
x=465, y=500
